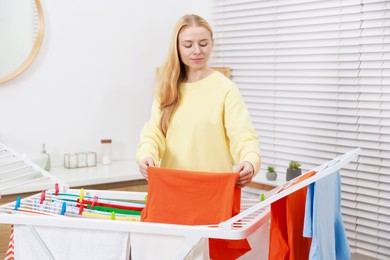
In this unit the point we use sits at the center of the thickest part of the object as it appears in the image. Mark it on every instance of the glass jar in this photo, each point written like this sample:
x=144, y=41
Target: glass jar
x=106, y=151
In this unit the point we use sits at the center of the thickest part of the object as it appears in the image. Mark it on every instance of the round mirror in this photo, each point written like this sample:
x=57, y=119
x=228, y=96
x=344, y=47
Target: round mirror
x=21, y=34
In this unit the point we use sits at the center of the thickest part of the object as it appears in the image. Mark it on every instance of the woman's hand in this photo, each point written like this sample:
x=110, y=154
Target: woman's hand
x=144, y=164
x=247, y=172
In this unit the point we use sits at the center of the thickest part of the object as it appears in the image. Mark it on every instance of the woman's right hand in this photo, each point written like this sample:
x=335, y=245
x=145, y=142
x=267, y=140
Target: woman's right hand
x=144, y=164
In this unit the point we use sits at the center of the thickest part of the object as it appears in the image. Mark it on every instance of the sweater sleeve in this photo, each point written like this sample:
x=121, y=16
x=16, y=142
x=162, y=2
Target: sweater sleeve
x=244, y=141
x=152, y=140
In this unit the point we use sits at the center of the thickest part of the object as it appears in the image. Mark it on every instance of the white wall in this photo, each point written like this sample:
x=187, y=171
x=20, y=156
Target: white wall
x=93, y=78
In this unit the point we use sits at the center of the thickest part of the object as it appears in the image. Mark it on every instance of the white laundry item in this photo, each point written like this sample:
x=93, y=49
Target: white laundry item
x=69, y=243
x=164, y=247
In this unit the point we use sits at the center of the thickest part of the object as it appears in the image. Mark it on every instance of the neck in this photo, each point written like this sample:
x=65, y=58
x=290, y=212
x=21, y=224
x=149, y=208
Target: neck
x=199, y=74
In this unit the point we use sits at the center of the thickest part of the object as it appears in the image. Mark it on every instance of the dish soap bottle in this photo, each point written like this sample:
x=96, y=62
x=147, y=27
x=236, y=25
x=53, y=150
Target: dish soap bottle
x=47, y=164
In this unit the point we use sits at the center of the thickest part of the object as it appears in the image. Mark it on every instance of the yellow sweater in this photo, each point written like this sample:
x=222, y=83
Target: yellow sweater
x=210, y=131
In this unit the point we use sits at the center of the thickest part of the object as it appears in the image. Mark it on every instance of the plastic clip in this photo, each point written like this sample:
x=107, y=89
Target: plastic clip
x=81, y=208
x=94, y=201
x=262, y=197
x=81, y=195
x=113, y=215
x=43, y=197
x=17, y=203
x=57, y=188
x=63, y=208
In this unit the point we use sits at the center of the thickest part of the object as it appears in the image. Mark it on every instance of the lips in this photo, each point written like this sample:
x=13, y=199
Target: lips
x=196, y=60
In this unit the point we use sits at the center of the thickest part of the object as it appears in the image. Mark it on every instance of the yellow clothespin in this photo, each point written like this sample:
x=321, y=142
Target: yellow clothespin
x=81, y=195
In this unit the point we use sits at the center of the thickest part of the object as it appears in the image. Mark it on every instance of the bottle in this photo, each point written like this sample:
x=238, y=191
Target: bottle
x=47, y=163
x=106, y=151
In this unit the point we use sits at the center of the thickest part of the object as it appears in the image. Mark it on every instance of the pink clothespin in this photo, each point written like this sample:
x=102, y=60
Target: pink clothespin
x=57, y=189
x=94, y=201
x=43, y=196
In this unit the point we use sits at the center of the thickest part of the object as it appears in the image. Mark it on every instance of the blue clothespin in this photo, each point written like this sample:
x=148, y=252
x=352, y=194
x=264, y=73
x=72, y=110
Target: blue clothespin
x=17, y=203
x=63, y=208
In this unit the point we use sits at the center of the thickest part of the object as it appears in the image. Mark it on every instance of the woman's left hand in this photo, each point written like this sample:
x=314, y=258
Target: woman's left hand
x=247, y=172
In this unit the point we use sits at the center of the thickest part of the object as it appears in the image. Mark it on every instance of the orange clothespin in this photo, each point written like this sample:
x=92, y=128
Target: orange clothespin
x=43, y=196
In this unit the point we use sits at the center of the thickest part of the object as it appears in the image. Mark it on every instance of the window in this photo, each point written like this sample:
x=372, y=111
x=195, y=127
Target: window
x=316, y=79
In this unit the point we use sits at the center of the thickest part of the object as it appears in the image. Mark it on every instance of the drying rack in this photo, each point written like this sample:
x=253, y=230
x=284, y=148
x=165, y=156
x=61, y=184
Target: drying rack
x=254, y=213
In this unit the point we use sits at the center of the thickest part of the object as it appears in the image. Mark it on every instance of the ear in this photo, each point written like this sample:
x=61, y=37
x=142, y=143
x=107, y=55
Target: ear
x=212, y=44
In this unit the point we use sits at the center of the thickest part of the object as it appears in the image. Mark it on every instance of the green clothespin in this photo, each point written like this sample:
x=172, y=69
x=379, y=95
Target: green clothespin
x=262, y=197
x=113, y=215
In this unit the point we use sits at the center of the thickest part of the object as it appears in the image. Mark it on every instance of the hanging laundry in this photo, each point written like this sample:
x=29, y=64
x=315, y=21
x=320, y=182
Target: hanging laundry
x=9, y=255
x=116, y=210
x=323, y=220
x=113, y=204
x=287, y=216
x=70, y=243
x=195, y=198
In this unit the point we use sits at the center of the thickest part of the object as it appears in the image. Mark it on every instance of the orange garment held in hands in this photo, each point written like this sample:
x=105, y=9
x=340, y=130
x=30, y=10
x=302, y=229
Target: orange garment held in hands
x=195, y=198
x=286, y=229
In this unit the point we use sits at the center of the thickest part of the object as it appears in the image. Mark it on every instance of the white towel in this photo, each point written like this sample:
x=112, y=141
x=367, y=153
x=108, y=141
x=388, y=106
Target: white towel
x=70, y=244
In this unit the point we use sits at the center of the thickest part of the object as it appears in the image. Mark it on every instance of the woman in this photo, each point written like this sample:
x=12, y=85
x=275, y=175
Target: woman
x=199, y=121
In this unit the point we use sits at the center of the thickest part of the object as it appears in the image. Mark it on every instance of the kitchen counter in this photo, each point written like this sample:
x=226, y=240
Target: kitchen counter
x=116, y=172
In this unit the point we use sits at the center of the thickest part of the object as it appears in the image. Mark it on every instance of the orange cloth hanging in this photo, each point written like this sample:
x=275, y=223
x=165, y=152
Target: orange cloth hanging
x=286, y=229
x=195, y=198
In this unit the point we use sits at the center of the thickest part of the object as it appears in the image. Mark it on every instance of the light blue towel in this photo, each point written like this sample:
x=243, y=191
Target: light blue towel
x=323, y=220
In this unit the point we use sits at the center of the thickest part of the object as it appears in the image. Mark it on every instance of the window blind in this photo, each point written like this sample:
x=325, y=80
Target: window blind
x=315, y=76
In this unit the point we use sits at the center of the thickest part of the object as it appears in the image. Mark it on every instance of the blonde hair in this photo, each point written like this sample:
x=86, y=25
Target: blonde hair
x=173, y=73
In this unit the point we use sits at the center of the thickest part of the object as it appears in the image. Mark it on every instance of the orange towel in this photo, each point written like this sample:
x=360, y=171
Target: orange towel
x=286, y=229
x=195, y=198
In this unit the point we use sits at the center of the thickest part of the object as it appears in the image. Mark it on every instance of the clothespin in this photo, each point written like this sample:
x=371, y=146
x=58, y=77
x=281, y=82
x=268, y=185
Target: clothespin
x=81, y=195
x=17, y=203
x=81, y=208
x=113, y=215
x=94, y=201
x=57, y=188
x=43, y=196
x=262, y=197
x=63, y=208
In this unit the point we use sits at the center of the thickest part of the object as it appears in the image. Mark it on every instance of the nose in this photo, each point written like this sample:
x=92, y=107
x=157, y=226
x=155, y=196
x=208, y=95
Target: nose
x=196, y=49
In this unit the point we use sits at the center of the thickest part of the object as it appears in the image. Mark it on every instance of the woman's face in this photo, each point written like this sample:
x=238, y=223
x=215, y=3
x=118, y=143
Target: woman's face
x=195, y=46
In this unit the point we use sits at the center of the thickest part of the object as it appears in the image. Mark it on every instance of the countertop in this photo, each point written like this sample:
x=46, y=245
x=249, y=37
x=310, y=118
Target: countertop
x=117, y=171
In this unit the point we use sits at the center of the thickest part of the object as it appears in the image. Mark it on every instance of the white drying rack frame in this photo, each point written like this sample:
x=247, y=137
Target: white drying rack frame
x=252, y=216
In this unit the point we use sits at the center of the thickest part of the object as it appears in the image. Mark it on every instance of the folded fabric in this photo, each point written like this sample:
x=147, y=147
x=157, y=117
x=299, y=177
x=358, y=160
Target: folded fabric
x=195, y=198
x=287, y=217
x=323, y=219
